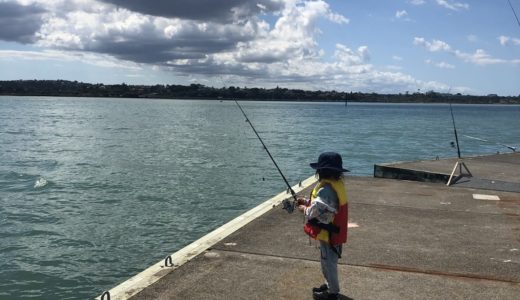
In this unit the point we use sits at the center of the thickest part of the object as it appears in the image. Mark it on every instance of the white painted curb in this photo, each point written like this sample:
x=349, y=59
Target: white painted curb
x=155, y=272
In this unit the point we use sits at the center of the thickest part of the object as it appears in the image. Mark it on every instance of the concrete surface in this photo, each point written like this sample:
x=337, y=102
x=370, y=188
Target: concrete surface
x=407, y=240
x=492, y=172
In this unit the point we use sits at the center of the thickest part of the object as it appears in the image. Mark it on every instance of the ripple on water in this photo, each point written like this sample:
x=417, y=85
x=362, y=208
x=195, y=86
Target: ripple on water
x=30, y=233
x=10, y=248
x=76, y=243
x=44, y=164
x=34, y=284
x=151, y=198
x=33, y=217
x=11, y=181
x=87, y=164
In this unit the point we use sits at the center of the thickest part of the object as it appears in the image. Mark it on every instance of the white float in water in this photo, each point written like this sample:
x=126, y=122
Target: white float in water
x=41, y=182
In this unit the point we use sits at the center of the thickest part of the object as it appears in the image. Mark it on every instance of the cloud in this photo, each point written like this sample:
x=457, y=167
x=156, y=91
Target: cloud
x=293, y=38
x=444, y=65
x=19, y=23
x=261, y=42
x=401, y=13
x=434, y=46
x=417, y=2
x=142, y=38
x=394, y=67
x=480, y=57
x=202, y=10
x=441, y=65
x=349, y=57
x=287, y=51
x=505, y=41
x=453, y=5
x=472, y=38
x=352, y=67
x=98, y=60
x=399, y=82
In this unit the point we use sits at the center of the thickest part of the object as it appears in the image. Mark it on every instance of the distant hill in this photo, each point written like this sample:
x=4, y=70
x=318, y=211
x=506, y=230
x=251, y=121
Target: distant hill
x=197, y=91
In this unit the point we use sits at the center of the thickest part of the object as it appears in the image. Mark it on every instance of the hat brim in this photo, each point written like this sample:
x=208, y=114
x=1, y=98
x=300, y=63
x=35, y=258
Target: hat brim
x=315, y=167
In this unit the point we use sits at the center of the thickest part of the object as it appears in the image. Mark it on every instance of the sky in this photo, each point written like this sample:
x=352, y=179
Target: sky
x=390, y=46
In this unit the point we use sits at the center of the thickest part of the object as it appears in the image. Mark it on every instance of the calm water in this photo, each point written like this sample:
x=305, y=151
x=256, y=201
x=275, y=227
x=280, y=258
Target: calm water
x=92, y=191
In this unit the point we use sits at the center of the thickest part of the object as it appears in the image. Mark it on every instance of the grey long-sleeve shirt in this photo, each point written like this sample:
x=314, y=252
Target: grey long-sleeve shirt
x=324, y=207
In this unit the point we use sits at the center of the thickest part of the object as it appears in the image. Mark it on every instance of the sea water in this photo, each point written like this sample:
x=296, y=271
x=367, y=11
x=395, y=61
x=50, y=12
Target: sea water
x=93, y=191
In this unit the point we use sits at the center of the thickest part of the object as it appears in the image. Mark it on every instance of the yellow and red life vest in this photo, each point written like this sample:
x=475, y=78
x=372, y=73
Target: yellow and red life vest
x=340, y=219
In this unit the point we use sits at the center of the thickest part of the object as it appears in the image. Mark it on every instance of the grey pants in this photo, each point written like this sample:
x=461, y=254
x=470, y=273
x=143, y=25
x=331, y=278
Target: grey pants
x=329, y=266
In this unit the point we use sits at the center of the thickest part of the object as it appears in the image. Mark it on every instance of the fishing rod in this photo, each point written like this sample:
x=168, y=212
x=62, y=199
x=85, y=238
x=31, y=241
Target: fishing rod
x=483, y=140
x=455, y=131
x=289, y=207
x=460, y=164
x=514, y=12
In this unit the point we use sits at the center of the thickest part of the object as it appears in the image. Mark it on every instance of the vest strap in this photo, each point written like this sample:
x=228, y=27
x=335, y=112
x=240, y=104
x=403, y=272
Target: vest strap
x=331, y=228
x=337, y=250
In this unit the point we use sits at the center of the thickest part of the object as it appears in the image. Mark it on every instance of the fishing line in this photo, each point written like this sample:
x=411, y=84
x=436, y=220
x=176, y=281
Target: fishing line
x=491, y=142
x=286, y=204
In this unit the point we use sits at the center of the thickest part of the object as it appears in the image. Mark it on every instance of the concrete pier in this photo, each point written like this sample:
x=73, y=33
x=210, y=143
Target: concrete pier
x=494, y=172
x=407, y=240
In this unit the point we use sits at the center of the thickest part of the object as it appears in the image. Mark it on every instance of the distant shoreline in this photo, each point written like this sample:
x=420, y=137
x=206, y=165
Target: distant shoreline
x=64, y=88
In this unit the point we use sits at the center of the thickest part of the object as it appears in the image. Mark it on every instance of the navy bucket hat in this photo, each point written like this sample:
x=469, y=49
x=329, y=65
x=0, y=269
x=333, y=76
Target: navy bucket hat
x=329, y=160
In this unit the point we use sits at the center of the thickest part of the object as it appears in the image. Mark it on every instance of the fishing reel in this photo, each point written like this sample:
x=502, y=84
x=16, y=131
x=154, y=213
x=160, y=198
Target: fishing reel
x=288, y=205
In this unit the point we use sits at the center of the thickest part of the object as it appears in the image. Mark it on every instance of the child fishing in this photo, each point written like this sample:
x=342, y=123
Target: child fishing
x=326, y=213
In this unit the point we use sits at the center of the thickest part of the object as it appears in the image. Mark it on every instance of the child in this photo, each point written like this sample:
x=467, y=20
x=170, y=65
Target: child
x=327, y=217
